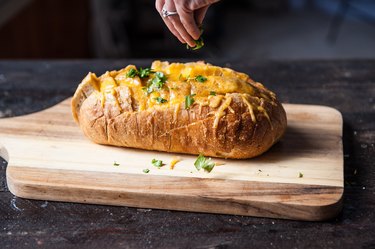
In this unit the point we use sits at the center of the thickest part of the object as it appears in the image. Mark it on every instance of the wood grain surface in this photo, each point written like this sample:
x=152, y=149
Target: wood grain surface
x=299, y=178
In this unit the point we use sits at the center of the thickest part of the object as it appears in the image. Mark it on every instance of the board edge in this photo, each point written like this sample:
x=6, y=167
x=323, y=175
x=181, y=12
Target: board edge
x=31, y=190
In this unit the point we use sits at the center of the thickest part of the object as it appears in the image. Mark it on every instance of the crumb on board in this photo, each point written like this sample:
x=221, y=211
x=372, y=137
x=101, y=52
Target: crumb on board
x=174, y=161
x=146, y=171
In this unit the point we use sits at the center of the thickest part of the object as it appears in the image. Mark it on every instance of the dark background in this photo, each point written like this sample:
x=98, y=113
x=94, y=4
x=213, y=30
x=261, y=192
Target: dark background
x=246, y=29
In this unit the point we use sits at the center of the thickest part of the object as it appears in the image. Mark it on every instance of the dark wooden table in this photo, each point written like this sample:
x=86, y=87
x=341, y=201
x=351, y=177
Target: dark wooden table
x=349, y=86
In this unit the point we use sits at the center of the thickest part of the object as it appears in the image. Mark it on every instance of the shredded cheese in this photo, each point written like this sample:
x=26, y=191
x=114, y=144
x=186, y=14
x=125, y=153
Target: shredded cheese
x=250, y=107
x=174, y=161
x=180, y=82
x=221, y=110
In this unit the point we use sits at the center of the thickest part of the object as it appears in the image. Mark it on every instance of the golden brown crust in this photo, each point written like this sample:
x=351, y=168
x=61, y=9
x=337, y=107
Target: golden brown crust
x=238, y=126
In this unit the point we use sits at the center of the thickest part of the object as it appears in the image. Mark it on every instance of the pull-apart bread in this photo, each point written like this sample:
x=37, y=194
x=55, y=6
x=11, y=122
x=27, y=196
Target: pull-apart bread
x=186, y=108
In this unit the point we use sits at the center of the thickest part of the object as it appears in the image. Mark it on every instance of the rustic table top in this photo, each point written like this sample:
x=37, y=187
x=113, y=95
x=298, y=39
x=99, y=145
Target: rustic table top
x=349, y=86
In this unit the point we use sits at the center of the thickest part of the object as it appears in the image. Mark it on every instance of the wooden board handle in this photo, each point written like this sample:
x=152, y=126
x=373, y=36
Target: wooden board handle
x=4, y=153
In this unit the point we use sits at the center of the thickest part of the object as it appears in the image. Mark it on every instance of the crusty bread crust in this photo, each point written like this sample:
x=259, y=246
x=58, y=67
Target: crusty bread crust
x=175, y=129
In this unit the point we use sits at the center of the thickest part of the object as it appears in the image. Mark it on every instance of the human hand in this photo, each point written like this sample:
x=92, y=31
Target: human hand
x=190, y=14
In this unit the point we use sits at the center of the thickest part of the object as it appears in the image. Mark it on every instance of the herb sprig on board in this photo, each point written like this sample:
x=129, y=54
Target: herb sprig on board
x=157, y=163
x=204, y=163
x=146, y=171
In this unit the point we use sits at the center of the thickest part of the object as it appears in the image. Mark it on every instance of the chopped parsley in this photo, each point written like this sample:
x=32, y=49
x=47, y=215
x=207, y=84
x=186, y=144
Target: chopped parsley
x=155, y=83
x=198, y=44
x=132, y=73
x=213, y=93
x=142, y=73
x=300, y=175
x=189, y=100
x=161, y=77
x=146, y=171
x=157, y=163
x=160, y=100
x=204, y=163
x=200, y=78
x=116, y=163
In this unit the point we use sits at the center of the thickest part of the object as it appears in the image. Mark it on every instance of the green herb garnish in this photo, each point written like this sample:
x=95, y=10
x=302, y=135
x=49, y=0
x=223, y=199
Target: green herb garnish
x=213, y=93
x=200, y=78
x=189, y=100
x=116, y=163
x=132, y=73
x=146, y=171
x=156, y=83
x=143, y=73
x=204, y=163
x=161, y=77
x=300, y=175
x=160, y=100
x=157, y=163
x=198, y=43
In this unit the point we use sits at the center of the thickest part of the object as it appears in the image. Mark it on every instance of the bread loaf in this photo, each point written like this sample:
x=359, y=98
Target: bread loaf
x=188, y=108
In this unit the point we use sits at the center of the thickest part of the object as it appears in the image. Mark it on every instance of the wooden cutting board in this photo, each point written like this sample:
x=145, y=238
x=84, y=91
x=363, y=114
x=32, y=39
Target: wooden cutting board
x=301, y=177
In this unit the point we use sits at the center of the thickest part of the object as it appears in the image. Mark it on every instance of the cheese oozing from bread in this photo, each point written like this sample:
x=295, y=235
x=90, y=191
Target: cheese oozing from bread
x=181, y=81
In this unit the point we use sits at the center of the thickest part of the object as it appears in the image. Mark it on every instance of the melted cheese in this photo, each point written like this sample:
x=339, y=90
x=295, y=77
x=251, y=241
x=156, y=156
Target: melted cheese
x=215, y=101
x=221, y=110
x=181, y=82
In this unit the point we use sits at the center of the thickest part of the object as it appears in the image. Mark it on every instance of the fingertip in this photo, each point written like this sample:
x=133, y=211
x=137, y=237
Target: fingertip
x=194, y=32
x=191, y=43
x=196, y=36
